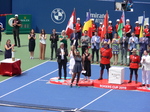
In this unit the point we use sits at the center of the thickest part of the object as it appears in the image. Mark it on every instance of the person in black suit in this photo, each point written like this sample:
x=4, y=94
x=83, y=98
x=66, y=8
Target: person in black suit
x=53, y=39
x=124, y=48
x=62, y=54
x=16, y=26
x=74, y=38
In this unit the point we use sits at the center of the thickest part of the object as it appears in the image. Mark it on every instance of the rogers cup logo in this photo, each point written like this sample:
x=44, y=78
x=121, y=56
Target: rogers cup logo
x=58, y=16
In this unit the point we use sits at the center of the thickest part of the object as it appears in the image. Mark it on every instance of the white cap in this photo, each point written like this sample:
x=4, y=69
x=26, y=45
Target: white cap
x=136, y=22
x=117, y=20
x=16, y=15
x=127, y=20
x=78, y=18
x=110, y=22
x=92, y=19
x=147, y=23
x=100, y=23
x=61, y=43
x=63, y=31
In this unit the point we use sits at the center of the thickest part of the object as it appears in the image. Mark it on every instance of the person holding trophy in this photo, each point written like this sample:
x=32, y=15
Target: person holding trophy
x=8, y=49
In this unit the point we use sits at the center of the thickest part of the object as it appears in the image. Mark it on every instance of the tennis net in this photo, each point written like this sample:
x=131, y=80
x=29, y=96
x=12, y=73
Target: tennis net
x=43, y=107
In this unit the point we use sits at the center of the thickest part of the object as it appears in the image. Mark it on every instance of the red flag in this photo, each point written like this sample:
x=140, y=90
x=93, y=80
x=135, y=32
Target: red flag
x=71, y=22
x=90, y=32
x=105, y=25
x=121, y=24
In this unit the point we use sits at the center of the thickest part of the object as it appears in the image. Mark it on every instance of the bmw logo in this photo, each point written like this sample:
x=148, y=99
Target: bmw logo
x=58, y=16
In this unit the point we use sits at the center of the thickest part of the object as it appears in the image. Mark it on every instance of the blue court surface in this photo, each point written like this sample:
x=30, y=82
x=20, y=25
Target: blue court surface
x=32, y=88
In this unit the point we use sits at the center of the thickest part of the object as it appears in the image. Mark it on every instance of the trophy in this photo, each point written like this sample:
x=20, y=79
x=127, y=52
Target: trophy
x=13, y=55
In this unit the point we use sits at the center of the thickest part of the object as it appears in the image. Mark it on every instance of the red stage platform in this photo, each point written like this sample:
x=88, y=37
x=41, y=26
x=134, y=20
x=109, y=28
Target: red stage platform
x=55, y=80
x=102, y=84
x=145, y=89
x=125, y=86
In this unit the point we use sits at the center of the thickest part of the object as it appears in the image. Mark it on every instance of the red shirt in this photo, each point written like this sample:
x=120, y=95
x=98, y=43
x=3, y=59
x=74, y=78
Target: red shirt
x=93, y=27
x=134, y=61
x=116, y=27
x=78, y=27
x=110, y=29
x=146, y=30
x=127, y=28
x=106, y=55
x=99, y=31
x=137, y=30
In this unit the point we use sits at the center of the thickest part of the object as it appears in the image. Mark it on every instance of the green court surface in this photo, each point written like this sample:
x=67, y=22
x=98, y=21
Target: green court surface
x=23, y=52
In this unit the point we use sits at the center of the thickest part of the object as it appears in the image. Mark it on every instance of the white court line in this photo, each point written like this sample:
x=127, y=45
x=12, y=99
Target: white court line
x=95, y=99
x=43, y=80
x=25, y=71
x=27, y=84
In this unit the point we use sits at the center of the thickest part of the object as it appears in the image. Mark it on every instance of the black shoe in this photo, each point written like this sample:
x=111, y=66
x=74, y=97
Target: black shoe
x=143, y=85
x=71, y=85
x=100, y=79
x=59, y=78
x=19, y=46
x=65, y=78
x=15, y=45
x=129, y=81
x=51, y=58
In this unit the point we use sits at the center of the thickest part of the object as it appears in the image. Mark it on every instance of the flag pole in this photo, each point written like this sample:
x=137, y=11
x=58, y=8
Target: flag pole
x=107, y=22
x=90, y=13
x=74, y=22
x=90, y=10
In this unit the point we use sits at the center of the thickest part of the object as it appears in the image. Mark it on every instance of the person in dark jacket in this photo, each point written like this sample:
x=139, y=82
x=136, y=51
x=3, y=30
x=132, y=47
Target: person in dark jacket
x=124, y=48
x=53, y=38
x=62, y=54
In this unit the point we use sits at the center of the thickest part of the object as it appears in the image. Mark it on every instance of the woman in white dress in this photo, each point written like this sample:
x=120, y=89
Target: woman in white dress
x=42, y=38
x=71, y=61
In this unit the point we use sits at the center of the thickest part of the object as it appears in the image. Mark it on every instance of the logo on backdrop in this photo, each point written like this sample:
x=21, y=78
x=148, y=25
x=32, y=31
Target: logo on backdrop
x=58, y=16
x=10, y=21
x=96, y=16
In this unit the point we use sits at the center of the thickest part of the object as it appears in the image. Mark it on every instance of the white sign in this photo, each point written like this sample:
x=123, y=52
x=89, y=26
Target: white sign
x=140, y=18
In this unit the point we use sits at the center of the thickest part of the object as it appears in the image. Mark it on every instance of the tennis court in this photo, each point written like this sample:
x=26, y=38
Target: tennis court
x=32, y=90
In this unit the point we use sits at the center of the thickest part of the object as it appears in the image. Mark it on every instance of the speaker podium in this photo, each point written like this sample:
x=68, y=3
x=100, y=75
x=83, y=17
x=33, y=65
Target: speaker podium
x=116, y=75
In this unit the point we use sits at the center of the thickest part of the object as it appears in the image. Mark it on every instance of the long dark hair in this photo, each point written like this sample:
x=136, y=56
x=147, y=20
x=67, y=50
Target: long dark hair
x=43, y=32
x=107, y=37
x=31, y=31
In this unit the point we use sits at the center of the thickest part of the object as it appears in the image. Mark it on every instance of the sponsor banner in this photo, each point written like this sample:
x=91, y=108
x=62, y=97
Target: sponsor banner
x=25, y=21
